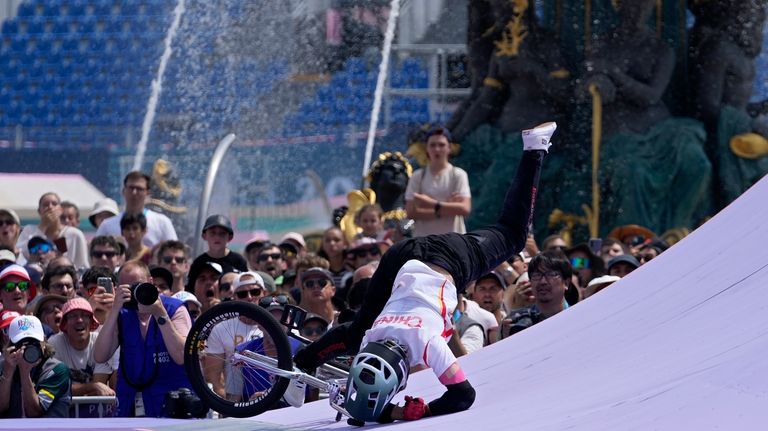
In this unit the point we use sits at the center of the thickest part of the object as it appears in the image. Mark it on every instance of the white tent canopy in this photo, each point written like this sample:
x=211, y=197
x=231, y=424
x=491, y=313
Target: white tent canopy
x=21, y=192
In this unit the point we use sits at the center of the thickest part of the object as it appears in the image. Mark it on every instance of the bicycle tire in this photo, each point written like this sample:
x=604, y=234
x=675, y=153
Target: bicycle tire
x=199, y=343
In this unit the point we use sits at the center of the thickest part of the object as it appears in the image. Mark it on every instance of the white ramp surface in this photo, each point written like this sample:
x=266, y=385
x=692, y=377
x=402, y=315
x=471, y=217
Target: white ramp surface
x=679, y=344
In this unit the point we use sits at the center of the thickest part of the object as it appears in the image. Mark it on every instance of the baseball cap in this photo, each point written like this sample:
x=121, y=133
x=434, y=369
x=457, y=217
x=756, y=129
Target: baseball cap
x=624, y=258
x=362, y=242
x=7, y=255
x=269, y=282
x=248, y=279
x=19, y=271
x=6, y=317
x=37, y=240
x=218, y=220
x=185, y=296
x=316, y=272
x=162, y=273
x=496, y=276
x=12, y=214
x=255, y=241
x=25, y=327
x=77, y=304
x=105, y=205
x=313, y=316
x=294, y=237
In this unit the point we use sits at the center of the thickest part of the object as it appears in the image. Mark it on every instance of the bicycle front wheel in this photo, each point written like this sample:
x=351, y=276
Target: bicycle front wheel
x=227, y=385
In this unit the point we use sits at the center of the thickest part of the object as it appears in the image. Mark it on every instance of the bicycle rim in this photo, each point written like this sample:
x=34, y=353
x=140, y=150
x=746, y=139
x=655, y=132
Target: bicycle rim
x=239, y=389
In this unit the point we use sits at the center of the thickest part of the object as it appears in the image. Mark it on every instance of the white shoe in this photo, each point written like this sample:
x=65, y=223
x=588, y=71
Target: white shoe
x=538, y=137
x=295, y=393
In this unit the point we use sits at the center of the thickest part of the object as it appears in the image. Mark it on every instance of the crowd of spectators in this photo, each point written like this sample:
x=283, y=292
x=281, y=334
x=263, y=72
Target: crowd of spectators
x=90, y=338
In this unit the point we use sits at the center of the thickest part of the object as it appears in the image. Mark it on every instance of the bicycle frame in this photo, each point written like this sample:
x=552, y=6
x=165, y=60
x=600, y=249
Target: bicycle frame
x=292, y=318
x=333, y=386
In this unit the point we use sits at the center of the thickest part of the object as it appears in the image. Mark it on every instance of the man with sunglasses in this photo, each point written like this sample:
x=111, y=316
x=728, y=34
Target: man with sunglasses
x=16, y=288
x=270, y=260
x=363, y=251
x=413, y=293
x=249, y=287
x=108, y=251
x=41, y=252
x=174, y=256
x=317, y=290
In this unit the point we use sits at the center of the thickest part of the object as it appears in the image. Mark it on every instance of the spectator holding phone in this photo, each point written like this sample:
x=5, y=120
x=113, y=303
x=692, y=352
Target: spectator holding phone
x=69, y=240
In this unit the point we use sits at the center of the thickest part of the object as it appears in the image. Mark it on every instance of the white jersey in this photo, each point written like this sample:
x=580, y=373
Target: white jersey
x=418, y=316
x=223, y=339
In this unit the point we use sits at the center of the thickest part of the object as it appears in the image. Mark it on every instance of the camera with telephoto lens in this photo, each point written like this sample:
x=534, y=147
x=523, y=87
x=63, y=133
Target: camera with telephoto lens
x=183, y=404
x=142, y=293
x=33, y=351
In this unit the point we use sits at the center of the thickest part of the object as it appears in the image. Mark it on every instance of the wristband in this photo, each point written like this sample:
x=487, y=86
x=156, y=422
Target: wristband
x=438, y=205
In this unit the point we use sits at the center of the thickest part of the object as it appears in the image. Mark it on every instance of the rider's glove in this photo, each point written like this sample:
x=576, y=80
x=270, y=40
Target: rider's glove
x=415, y=408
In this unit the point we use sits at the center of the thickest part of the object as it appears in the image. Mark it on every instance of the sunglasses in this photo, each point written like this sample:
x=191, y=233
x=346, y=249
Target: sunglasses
x=370, y=251
x=37, y=248
x=107, y=254
x=273, y=256
x=309, y=331
x=319, y=283
x=10, y=286
x=273, y=300
x=170, y=259
x=7, y=222
x=242, y=294
x=580, y=262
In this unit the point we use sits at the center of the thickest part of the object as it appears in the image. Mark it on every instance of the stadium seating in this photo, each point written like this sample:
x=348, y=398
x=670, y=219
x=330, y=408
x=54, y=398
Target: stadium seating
x=89, y=63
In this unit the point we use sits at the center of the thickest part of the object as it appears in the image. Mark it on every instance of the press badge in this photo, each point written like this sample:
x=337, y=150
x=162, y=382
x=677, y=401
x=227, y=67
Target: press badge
x=138, y=405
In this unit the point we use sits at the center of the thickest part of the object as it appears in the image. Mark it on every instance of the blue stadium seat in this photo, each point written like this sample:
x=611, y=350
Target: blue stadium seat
x=19, y=42
x=102, y=7
x=10, y=26
x=51, y=8
x=61, y=24
x=86, y=24
x=27, y=9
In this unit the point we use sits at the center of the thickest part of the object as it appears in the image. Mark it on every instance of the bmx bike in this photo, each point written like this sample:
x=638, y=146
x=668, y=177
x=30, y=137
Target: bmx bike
x=239, y=360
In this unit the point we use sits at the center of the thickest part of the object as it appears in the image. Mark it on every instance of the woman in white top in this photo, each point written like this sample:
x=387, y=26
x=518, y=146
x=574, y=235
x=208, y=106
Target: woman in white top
x=438, y=196
x=50, y=227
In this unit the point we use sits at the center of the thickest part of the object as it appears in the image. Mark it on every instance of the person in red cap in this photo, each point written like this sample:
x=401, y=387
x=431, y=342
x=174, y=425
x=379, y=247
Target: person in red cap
x=5, y=321
x=16, y=288
x=74, y=347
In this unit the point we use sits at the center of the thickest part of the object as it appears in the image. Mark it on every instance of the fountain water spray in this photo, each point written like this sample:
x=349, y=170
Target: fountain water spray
x=157, y=85
x=394, y=11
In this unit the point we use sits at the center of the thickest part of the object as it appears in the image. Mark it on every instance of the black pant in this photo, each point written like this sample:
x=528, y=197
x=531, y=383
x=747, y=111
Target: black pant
x=466, y=257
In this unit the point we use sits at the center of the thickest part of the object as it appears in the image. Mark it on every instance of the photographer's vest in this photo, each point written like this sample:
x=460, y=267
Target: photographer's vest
x=145, y=365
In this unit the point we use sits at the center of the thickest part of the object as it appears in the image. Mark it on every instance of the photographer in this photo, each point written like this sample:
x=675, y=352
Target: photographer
x=33, y=384
x=150, y=330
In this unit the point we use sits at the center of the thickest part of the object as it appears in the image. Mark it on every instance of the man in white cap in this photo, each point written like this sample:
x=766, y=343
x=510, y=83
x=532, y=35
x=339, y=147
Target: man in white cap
x=249, y=287
x=33, y=383
x=74, y=347
x=412, y=296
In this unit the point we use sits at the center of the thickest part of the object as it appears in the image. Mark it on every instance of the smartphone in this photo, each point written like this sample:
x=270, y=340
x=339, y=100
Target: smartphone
x=595, y=244
x=106, y=283
x=61, y=245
